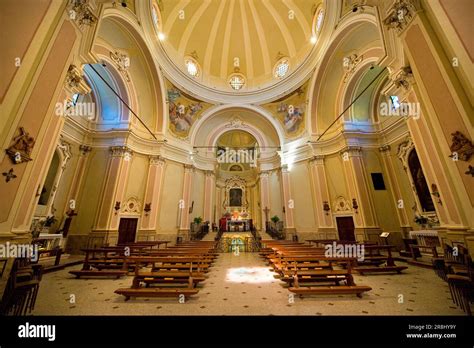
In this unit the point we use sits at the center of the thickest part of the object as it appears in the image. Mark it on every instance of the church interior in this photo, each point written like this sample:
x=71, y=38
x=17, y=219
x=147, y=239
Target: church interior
x=237, y=157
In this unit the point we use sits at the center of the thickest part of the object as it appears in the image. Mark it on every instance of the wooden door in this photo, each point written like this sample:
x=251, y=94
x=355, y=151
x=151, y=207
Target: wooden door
x=127, y=230
x=345, y=228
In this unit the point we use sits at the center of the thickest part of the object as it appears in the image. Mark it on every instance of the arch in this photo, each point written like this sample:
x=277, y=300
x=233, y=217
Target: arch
x=346, y=27
x=132, y=28
x=257, y=133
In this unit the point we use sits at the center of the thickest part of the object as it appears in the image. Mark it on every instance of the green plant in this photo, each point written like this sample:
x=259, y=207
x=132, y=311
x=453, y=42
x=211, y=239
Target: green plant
x=275, y=219
x=197, y=220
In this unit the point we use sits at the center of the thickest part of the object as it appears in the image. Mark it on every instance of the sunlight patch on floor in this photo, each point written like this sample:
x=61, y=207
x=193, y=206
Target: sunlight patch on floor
x=253, y=275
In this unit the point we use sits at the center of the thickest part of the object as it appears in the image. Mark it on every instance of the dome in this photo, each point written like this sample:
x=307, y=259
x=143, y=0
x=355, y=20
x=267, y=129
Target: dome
x=238, y=45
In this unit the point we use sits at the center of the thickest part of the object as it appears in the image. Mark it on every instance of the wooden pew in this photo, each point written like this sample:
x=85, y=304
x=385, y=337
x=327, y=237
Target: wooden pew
x=109, y=263
x=189, y=277
x=375, y=262
x=326, y=276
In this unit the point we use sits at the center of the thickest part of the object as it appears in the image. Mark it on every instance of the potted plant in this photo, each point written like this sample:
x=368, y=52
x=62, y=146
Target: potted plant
x=275, y=219
x=197, y=220
x=50, y=220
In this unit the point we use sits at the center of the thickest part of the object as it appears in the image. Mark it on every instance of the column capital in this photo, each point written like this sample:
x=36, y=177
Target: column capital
x=209, y=173
x=120, y=151
x=264, y=174
x=156, y=160
x=188, y=167
x=351, y=151
x=85, y=149
x=401, y=14
x=316, y=160
x=385, y=148
x=74, y=82
x=284, y=168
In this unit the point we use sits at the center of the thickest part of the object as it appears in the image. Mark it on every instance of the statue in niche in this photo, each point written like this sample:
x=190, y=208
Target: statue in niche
x=419, y=181
x=235, y=197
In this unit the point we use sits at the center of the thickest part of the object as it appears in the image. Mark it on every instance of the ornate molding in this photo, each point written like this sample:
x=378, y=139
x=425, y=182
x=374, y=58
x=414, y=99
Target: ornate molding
x=350, y=64
x=132, y=206
x=404, y=149
x=120, y=151
x=74, y=81
x=342, y=205
x=351, y=151
x=122, y=61
x=236, y=123
x=65, y=149
x=385, y=148
x=461, y=147
x=264, y=174
x=81, y=13
x=401, y=14
x=157, y=160
x=85, y=149
x=317, y=160
x=188, y=167
x=209, y=173
x=404, y=78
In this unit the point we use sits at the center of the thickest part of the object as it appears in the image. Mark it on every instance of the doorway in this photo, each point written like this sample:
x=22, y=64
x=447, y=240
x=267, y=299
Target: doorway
x=127, y=230
x=345, y=228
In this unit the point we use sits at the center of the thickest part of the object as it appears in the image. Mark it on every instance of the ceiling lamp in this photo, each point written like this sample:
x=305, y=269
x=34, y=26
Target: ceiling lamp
x=236, y=81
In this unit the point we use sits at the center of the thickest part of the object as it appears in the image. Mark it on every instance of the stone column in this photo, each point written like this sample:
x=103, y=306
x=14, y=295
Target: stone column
x=108, y=217
x=152, y=204
x=184, y=228
x=209, y=194
x=321, y=194
x=264, y=197
x=365, y=219
x=288, y=202
x=395, y=189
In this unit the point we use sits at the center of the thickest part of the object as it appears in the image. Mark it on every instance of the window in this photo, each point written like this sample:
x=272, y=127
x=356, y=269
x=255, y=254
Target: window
x=192, y=67
x=75, y=97
x=154, y=16
x=395, y=102
x=319, y=21
x=236, y=81
x=377, y=181
x=281, y=68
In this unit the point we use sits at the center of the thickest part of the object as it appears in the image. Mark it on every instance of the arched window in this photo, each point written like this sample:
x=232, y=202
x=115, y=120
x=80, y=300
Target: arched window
x=281, y=68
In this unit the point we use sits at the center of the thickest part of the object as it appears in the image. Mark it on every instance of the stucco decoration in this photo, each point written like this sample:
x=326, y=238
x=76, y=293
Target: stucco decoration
x=183, y=110
x=132, y=206
x=290, y=111
x=342, y=205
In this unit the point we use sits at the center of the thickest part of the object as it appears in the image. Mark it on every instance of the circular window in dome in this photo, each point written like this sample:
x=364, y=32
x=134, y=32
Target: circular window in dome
x=236, y=81
x=192, y=67
x=281, y=68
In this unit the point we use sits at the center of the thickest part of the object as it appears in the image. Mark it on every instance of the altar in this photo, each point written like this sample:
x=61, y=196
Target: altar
x=238, y=225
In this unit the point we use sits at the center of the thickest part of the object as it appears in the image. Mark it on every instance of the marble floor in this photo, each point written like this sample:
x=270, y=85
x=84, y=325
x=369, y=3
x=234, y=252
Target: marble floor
x=243, y=285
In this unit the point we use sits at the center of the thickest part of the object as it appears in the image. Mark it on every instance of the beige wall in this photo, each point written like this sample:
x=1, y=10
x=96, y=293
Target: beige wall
x=301, y=191
x=171, y=194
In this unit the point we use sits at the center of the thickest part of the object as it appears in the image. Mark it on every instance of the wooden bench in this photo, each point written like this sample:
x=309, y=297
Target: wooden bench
x=326, y=275
x=378, y=263
x=109, y=263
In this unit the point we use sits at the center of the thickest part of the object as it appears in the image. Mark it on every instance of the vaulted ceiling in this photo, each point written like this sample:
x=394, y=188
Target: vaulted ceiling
x=257, y=32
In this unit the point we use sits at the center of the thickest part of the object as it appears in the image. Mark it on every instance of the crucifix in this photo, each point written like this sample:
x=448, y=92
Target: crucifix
x=266, y=211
